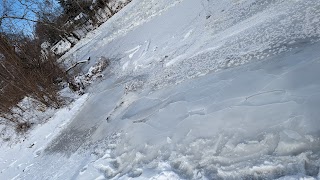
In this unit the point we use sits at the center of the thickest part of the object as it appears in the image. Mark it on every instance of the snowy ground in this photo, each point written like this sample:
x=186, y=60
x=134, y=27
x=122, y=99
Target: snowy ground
x=196, y=90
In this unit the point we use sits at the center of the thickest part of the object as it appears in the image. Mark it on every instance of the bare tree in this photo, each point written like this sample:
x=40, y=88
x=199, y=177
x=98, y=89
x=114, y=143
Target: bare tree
x=24, y=69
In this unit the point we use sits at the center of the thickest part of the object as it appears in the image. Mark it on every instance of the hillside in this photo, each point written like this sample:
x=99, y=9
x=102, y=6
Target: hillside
x=201, y=89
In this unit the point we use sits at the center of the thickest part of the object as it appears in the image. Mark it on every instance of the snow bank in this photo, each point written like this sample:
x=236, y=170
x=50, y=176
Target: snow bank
x=18, y=159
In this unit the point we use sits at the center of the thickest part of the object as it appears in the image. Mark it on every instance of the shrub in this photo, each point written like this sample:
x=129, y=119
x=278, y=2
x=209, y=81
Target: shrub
x=27, y=71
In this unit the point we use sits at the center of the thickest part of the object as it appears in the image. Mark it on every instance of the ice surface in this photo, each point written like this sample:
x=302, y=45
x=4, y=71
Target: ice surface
x=196, y=90
x=203, y=129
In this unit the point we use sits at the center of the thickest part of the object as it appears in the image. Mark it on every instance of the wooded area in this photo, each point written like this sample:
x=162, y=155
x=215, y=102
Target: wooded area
x=28, y=64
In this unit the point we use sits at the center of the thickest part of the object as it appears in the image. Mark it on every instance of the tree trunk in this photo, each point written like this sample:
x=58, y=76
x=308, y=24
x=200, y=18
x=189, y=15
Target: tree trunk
x=111, y=11
x=75, y=36
x=66, y=38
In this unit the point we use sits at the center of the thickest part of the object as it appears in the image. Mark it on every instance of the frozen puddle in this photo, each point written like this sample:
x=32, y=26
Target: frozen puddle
x=85, y=122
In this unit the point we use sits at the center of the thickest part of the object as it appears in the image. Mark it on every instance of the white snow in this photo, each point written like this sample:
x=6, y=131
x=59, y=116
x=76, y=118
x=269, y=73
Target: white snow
x=133, y=51
x=195, y=90
x=61, y=47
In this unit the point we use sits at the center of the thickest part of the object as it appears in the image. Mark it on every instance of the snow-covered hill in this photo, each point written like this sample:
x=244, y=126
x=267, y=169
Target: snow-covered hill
x=201, y=89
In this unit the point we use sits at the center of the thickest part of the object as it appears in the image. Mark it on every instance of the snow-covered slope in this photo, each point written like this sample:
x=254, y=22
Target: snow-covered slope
x=201, y=89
